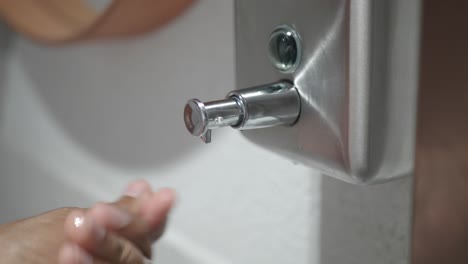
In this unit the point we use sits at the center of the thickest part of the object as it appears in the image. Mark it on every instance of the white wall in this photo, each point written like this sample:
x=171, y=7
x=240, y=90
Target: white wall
x=77, y=123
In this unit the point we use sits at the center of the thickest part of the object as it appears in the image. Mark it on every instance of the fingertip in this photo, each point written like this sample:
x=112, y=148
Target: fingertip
x=138, y=188
x=167, y=195
x=109, y=216
x=156, y=208
x=162, y=201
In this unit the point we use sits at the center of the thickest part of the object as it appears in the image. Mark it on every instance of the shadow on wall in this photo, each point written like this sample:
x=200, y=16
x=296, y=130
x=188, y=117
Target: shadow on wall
x=122, y=101
x=365, y=224
x=111, y=104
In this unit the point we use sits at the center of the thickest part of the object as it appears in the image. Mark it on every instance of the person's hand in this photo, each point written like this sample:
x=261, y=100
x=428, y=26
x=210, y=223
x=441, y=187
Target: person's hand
x=120, y=232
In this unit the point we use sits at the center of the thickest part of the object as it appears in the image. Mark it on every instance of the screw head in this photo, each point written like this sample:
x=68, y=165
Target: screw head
x=285, y=50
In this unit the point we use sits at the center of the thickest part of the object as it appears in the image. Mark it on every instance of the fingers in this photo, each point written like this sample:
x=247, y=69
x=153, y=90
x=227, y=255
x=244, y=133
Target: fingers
x=129, y=226
x=137, y=189
x=154, y=211
x=134, y=194
x=94, y=240
x=110, y=217
x=149, y=225
x=150, y=208
x=121, y=232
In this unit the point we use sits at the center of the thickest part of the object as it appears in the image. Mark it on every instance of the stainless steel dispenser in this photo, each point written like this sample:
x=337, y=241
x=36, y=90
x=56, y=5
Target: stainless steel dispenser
x=349, y=99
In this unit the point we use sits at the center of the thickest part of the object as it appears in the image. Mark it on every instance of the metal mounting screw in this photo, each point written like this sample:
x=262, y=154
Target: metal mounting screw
x=285, y=50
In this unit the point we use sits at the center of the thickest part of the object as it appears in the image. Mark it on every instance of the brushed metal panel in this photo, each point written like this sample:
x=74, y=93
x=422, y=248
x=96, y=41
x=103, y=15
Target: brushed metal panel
x=357, y=81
